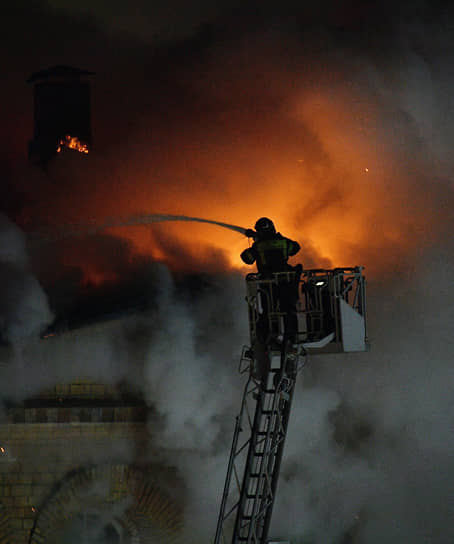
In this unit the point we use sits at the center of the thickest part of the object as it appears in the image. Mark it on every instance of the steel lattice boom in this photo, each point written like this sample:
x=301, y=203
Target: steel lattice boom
x=290, y=314
x=255, y=457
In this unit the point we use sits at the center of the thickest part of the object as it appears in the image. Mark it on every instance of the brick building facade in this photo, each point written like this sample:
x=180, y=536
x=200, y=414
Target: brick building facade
x=75, y=461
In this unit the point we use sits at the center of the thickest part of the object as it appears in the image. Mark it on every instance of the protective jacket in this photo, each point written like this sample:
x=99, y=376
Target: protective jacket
x=271, y=253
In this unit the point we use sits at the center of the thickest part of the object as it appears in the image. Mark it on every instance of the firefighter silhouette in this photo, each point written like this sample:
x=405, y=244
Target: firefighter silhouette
x=270, y=251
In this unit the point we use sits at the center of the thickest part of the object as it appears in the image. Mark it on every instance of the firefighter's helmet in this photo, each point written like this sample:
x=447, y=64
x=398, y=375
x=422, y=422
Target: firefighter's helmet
x=265, y=226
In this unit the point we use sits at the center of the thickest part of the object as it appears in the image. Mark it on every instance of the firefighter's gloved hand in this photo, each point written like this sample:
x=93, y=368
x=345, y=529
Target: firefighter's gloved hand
x=249, y=233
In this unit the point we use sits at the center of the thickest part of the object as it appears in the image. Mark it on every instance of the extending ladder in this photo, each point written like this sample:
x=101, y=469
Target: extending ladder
x=256, y=454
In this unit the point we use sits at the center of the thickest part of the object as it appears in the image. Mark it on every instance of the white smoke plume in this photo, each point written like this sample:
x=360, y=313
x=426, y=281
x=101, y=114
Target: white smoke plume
x=369, y=443
x=24, y=310
x=192, y=382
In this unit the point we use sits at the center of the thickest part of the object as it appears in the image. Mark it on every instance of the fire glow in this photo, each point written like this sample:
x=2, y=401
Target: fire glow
x=313, y=188
x=72, y=142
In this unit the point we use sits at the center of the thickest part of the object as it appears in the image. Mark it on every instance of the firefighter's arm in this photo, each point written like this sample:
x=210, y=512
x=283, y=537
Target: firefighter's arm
x=248, y=256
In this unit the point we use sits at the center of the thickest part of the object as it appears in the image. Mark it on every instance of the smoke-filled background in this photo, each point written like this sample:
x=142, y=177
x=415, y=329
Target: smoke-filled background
x=336, y=121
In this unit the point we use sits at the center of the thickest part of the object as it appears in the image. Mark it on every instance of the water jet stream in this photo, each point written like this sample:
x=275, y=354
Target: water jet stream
x=84, y=229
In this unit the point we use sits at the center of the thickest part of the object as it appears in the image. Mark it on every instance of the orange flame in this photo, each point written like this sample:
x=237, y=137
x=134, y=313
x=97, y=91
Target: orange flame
x=323, y=171
x=72, y=142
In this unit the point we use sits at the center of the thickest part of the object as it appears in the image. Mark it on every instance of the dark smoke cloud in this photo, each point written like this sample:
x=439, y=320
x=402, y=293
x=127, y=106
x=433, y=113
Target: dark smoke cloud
x=215, y=115
x=225, y=118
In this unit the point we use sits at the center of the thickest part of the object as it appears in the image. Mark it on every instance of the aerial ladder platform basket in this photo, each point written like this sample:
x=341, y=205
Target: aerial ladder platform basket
x=328, y=315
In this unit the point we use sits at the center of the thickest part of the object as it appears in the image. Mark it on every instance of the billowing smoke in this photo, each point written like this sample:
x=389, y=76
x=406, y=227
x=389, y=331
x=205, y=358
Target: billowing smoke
x=339, y=128
x=24, y=310
x=335, y=133
x=181, y=354
x=374, y=454
x=368, y=451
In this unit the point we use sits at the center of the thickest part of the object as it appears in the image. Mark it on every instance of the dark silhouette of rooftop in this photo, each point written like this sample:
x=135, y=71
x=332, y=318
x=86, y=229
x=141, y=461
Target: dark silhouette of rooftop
x=59, y=71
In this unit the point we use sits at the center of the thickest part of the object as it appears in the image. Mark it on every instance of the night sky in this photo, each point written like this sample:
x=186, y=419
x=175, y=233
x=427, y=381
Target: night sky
x=337, y=121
